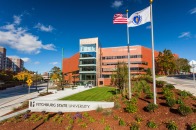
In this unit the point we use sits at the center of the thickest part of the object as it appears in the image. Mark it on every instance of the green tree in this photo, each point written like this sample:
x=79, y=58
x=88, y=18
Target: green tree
x=57, y=76
x=165, y=62
x=182, y=65
x=120, y=77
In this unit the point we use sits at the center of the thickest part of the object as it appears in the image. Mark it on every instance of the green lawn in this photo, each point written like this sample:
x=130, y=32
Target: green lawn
x=95, y=94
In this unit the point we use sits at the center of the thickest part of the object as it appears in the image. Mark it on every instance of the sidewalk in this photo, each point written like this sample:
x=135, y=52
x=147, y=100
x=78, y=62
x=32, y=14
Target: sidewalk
x=180, y=84
x=55, y=96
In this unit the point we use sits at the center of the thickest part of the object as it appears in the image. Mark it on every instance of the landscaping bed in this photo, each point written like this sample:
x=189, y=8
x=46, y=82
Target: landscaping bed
x=125, y=115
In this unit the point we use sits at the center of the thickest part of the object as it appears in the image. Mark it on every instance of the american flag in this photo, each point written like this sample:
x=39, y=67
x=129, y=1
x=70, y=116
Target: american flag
x=120, y=18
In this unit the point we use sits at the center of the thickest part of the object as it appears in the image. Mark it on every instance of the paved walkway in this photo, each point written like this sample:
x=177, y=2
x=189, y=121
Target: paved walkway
x=181, y=84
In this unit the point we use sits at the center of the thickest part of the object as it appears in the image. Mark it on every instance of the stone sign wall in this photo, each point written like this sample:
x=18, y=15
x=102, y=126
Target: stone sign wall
x=67, y=106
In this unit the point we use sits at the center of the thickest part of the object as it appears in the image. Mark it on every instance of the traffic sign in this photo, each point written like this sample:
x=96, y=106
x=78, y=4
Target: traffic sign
x=29, y=82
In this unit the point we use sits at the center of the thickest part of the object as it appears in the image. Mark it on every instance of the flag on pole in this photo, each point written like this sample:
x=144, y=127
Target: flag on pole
x=139, y=17
x=120, y=19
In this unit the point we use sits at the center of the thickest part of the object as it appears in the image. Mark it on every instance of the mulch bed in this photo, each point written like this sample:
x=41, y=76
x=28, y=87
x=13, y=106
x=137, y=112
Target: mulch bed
x=65, y=121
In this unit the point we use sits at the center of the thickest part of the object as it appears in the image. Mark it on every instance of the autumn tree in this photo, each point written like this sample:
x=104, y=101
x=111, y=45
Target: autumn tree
x=120, y=77
x=165, y=62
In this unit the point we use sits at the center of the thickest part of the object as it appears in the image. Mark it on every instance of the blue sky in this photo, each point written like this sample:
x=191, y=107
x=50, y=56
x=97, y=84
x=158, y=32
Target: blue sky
x=37, y=30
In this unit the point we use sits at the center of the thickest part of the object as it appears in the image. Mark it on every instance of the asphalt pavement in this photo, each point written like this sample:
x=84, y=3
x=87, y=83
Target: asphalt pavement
x=181, y=82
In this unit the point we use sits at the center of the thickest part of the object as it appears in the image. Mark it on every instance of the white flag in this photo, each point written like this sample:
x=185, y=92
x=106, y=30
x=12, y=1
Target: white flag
x=139, y=17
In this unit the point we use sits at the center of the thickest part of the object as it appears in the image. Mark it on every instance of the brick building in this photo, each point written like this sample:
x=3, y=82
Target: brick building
x=93, y=64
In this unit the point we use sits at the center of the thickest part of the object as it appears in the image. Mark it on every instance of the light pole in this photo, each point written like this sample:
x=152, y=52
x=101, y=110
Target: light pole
x=48, y=81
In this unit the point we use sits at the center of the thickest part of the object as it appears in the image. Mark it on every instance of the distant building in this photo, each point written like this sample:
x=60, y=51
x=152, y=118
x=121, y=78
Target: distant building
x=95, y=65
x=10, y=63
x=2, y=58
x=15, y=64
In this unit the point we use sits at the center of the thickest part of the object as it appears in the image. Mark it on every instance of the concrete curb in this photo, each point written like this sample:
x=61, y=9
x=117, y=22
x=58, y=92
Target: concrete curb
x=12, y=115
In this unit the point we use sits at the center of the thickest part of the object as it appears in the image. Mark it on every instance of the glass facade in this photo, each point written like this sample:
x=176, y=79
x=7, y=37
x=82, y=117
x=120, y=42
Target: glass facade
x=87, y=63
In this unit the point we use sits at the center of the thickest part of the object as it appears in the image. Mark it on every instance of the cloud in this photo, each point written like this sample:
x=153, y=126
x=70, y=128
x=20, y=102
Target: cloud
x=54, y=63
x=25, y=59
x=185, y=35
x=192, y=11
x=13, y=57
x=37, y=63
x=17, y=19
x=116, y=4
x=44, y=28
x=18, y=38
x=148, y=27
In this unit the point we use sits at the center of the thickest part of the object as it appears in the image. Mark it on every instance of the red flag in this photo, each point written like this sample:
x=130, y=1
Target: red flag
x=120, y=19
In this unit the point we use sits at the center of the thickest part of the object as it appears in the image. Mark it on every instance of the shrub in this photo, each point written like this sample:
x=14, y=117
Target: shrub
x=171, y=125
x=99, y=109
x=107, y=112
x=160, y=83
x=179, y=101
x=85, y=114
x=134, y=126
x=184, y=94
x=168, y=93
x=116, y=117
x=122, y=122
x=151, y=124
x=107, y=127
x=184, y=110
x=91, y=119
x=149, y=95
x=131, y=108
x=193, y=126
x=170, y=102
x=133, y=100
x=138, y=119
x=151, y=107
x=83, y=125
x=169, y=86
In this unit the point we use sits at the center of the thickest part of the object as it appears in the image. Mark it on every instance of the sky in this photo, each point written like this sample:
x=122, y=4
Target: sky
x=37, y=30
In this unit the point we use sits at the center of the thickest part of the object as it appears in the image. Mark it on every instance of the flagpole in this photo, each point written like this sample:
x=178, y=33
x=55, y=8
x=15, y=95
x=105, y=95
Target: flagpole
x=129, y=77
x=153, y=60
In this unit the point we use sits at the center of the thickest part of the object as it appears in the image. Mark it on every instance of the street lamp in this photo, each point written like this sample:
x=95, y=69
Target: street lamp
x=193, y=65
x=36, y=80
x=48, y=81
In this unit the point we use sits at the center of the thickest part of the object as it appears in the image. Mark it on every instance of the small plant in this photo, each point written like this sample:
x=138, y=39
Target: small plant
x=133, y=100
x=151, y=124
x=25, y=116
x=131, y=108
x=91, y=119
x=169, y=86
x=160, y=83
x=47, y=117
x=107, y=127
x=86, y=114
x=68, y=116
x=69, y=127
x=184, y=110
x=179, y=101
x=33, y=116
x=38, y=118
x=151, y=107
x=102, y=121
x=83, y=125
x=99, y=109
x=60, y=120
x=138, y=119
x=171, y=125
x=149, y=95
x=193, y=126
x=122, y=122
x=116, y=105
x=71, y=121
x=56, y=118
x=134, y=126
x=77, y=115
x=170, y=102
x=107, y=112
x=184, y=94
x=116, y=117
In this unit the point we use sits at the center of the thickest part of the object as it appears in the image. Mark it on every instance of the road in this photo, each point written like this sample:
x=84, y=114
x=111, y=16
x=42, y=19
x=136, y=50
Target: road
x=182, y=82
x=13, y=97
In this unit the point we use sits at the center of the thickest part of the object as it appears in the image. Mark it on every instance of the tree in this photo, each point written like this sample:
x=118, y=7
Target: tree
x=165, y=62
x=182, y=65
x=23, y=76
x=120, y=77
x=57, y=75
